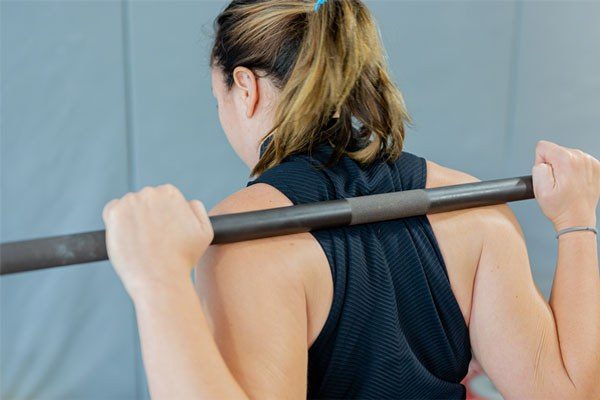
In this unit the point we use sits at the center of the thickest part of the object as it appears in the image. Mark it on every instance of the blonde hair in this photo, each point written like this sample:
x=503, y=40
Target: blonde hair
x=331, y=70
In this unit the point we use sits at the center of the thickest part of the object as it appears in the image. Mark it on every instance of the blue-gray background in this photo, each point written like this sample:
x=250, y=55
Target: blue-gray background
x=104, y=97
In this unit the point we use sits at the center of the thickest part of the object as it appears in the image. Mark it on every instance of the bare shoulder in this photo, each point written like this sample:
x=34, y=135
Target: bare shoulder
x=438, y=175
x=285, y=269
x=252, y=198
x=255, y=290
x=499, y=216
x=280, y=256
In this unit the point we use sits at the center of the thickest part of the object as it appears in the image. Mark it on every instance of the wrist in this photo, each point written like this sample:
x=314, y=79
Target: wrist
x=577, y=229
x=587, y=221
x=155, y=289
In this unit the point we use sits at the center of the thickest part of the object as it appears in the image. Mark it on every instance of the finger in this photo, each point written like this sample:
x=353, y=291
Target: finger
x=146, y=191
x=558, y=157
x=543, y=180
x=107, y=208
x=544, y=151
x=202, y=215
x=170, y=189
x=128, y=198
x=538, y=153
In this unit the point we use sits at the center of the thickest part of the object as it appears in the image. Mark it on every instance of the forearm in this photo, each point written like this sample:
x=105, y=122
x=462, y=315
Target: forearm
x=180, y=356
x=575, y=302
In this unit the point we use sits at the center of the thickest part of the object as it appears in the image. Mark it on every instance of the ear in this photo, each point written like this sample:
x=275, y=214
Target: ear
x=247, y=82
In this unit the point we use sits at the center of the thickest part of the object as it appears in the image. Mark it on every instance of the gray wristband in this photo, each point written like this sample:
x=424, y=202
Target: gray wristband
x=576, y=229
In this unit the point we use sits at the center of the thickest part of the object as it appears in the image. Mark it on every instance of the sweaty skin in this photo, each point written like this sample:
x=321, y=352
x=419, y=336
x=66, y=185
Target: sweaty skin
x=243, y=331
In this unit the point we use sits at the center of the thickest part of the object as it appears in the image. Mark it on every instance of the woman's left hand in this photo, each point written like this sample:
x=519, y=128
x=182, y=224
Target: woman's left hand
x=155, y=237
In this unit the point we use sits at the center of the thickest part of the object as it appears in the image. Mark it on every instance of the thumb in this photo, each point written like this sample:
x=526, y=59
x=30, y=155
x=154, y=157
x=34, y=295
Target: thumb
x=543, y=180
x=200, y=212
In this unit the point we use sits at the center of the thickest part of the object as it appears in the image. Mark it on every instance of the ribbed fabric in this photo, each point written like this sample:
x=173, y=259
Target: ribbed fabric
x=395, y=330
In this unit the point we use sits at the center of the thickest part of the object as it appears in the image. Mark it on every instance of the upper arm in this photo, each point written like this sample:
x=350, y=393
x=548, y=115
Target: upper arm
x=512, y=329
x=254, y=298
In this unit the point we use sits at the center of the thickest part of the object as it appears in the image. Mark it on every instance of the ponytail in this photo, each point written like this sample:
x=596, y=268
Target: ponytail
x=338, y=74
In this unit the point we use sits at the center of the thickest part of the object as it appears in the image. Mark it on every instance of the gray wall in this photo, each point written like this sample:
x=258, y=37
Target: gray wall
x=102, y=97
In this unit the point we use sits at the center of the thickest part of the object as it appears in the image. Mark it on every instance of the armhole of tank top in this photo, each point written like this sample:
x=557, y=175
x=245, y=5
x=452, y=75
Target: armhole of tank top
x=439, y=255
x=427, y=224
x=336, y=302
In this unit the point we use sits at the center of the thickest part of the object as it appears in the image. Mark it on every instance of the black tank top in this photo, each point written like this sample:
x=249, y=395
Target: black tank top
x=395, y=330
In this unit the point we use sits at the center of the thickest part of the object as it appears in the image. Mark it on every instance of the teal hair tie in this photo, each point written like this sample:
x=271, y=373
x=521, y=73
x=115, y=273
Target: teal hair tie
x=319, y=3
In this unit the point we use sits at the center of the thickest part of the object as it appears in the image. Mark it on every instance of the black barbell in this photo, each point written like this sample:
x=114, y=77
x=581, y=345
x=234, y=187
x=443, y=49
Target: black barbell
x=30, y=255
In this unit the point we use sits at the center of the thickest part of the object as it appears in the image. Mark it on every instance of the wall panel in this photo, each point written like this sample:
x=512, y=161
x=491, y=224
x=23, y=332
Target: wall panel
x=177, y=135
x=103, y=97
x=557, y=97
x=66, y=333
x=452, y=61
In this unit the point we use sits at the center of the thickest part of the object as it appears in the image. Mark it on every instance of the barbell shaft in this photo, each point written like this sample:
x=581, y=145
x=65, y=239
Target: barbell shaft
x=88, y=247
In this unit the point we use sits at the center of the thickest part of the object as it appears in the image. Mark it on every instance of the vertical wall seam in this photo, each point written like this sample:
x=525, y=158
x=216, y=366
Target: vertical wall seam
x=128, y=91
x=513, y=81
x=130, y=151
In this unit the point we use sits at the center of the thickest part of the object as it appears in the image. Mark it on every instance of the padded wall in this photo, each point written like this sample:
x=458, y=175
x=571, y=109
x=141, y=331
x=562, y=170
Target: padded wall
x=101, y=98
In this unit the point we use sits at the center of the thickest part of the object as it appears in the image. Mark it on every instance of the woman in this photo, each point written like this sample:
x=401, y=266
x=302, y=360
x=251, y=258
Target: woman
x=387, y=310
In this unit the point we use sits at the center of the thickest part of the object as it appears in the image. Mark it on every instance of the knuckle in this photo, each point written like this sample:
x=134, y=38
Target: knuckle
x=146, y=194
x=147, y=190
x=129, y=197
x=167, y=188
x=549, y=148
x=172, y=190
x=591, y=159
x=563, y=154
x=579, y=154
x=108, y=208
x=202, y=206
x=560, y=149
x=541, y=145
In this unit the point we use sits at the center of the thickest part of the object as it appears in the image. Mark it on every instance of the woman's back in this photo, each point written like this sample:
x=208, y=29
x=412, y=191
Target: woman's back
x=269, y=303
x=394, y=328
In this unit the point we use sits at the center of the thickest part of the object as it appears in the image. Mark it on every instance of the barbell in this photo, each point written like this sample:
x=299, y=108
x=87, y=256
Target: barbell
x=79, y=248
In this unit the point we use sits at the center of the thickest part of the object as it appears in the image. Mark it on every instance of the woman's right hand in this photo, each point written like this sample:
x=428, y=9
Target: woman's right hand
x=566, y=183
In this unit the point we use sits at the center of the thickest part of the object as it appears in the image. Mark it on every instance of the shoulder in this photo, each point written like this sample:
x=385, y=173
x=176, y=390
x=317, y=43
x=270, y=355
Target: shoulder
x=255, y=290
x=491, y=217
x=262, y=253
x=260, y=196
x=289, y=261
x=465, y=237
x=438, y=175
x=267, y=270
x=263, y=257
x=494, y=230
